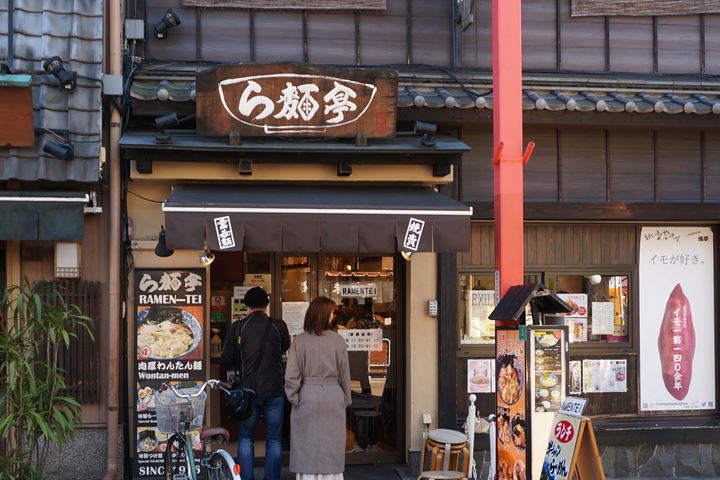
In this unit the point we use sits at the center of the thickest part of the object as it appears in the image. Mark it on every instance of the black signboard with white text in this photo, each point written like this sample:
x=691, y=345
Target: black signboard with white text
x=169, y=330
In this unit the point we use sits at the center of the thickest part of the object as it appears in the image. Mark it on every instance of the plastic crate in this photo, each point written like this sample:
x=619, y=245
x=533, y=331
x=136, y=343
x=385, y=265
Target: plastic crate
x=173, y=412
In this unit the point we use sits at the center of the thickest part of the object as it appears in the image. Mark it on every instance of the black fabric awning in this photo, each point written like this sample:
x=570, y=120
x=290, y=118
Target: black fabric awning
x=41, y=215
x=512, y=306
x=345, y=219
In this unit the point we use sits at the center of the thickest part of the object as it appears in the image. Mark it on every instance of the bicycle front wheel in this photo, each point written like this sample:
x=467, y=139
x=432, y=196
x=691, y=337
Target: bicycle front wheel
x=176, y=459
x=222, y=467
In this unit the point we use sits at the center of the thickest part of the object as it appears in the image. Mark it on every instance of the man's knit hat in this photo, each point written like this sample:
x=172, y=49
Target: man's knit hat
x=256, y=297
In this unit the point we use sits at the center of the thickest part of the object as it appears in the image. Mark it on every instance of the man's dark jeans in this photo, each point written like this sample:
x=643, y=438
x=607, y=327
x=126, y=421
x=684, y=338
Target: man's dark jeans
x=271, y=410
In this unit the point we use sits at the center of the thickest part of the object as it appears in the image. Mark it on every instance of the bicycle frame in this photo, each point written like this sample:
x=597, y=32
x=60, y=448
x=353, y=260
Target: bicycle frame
x=186, y=439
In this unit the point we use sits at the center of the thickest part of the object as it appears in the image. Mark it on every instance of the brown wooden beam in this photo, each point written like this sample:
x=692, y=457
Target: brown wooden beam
x=613, y=211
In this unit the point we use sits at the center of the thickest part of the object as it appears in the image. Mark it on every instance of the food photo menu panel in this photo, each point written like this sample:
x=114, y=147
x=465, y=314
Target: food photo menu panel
x=170, y=350
x=548, y=364
x=512, y=434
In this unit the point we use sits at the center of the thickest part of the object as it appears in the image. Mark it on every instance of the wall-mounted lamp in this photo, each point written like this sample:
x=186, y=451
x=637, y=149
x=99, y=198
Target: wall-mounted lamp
x=54, y=66
x=161, y=249
x=594, y=279
x=406, y=255
x=166, y=121
x=67, y=260
x=171, y=120
x=428, y=130
x=169, y=20
x=206, y=257
x=64, y=151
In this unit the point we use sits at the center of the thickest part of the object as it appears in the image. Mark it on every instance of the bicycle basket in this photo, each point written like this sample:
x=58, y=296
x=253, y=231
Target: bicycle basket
x=173, y=411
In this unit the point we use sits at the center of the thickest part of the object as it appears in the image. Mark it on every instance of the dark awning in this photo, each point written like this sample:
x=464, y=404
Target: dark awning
x=41, y=215
x=273, y=218
x=512, y=306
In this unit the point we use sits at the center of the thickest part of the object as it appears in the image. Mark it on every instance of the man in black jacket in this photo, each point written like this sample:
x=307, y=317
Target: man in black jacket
x=260, y=365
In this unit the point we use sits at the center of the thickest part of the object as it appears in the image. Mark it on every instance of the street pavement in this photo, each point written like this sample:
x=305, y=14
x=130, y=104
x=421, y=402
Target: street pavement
x=402, y=472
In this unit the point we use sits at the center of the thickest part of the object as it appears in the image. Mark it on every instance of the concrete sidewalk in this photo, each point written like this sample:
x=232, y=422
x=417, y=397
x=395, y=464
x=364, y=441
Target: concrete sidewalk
x=402, y=472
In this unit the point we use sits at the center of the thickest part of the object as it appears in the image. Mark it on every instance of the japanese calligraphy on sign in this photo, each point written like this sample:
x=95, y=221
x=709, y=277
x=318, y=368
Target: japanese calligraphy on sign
x=413, y=234
x=170, y=350
x=224, y=232
x=560, y=448
x=677, y=308
x=296, y=100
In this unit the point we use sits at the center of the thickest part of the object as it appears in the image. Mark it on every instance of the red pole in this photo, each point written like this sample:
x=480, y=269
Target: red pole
x=508, y=138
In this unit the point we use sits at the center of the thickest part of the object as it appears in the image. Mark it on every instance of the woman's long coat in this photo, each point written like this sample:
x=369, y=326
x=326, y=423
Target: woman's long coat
x=317, y=384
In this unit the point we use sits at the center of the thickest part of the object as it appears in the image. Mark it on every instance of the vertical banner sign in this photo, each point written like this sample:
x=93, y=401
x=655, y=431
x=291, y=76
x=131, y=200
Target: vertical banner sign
x=512, y=434
x=170, y=349
x=677, y=312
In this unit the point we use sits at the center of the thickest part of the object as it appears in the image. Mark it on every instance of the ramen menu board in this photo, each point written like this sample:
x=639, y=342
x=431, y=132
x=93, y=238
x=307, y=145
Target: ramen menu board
x=512, y=427
x=170, y=350
x=548, y=367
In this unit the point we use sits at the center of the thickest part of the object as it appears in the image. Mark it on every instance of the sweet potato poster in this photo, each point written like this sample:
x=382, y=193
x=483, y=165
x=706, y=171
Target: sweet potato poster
x=677, y=358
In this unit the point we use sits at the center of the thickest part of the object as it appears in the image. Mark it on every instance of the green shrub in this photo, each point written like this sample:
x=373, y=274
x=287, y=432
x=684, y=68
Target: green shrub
x=35, y=411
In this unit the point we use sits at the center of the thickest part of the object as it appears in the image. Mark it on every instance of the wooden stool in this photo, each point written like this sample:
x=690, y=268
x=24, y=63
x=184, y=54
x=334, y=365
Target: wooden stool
x=445, y=448
x=440, y=475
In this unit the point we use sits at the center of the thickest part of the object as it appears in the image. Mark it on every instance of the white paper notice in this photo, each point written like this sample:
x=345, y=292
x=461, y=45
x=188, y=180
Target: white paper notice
x=603, y=318
x=481, y=375
x=294, y=315
x=603, y=376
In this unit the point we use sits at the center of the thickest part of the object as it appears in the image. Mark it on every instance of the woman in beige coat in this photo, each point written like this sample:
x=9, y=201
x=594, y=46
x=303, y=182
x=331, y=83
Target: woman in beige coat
x=317, y=384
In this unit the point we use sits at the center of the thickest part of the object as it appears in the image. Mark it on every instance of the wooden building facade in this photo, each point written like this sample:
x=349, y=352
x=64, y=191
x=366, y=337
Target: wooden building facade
x=624, y=111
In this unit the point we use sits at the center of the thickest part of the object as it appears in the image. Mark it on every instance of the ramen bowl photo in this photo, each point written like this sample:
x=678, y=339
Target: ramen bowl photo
x=166, y=333
x=510, y=378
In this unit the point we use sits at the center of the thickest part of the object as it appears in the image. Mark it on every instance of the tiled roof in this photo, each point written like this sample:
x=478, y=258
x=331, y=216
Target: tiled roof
x=570, y=94
x=73, y=31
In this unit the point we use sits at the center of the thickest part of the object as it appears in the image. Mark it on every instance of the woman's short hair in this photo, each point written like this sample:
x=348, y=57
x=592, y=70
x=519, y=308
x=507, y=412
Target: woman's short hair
x=317, y=317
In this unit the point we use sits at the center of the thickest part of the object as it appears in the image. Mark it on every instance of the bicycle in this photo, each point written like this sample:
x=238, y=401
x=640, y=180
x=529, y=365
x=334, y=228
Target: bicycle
x=179, y=412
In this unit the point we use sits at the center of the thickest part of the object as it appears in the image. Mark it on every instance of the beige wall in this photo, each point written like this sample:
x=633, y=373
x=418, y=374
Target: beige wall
x=306, y=172
x=421, y=349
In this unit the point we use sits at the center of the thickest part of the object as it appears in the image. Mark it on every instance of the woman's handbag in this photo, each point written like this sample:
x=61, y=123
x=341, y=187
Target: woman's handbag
x=240, y=402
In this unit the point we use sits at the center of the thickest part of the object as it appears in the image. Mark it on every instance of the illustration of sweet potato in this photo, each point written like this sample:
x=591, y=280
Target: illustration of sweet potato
x=676, y=344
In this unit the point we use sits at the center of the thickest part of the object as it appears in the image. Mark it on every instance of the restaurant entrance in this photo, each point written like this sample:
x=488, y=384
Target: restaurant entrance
x=368, y=290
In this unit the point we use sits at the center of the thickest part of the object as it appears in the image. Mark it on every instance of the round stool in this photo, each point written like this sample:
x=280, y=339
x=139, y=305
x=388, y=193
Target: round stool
x=441, y=475
x=445, y=448
x=366, y=435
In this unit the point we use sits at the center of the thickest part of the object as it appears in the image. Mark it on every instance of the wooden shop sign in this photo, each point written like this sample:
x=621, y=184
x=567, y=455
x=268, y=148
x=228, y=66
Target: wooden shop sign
x=572, y=451
x=296, y=100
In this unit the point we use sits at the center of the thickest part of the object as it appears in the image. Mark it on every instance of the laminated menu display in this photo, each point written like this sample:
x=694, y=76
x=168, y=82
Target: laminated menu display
x=548, y=373
x=547, y=382
x=170, y=329
x=512, y=434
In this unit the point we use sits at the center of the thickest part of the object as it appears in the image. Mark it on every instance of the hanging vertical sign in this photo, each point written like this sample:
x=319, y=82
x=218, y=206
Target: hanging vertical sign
x=170, y=349
x=677, y=312
x=512, y=426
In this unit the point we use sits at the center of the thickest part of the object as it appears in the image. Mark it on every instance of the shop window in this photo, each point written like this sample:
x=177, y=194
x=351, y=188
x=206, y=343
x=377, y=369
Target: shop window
x=476, y=302
x=601, y=303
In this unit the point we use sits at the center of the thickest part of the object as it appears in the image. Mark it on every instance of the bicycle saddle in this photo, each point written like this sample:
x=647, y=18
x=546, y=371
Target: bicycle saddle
x=214, y=434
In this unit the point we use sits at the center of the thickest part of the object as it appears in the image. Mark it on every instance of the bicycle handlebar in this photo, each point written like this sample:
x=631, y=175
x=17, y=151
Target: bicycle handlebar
x=213, y=383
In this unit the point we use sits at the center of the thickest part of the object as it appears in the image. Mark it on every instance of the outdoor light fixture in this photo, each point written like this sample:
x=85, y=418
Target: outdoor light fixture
x=428, y=130
x=206, y=257
x=594, y=279
x=54, y=66
x=165, y=121
x=170, y=120
x=161, y=249
x=169, y=20
x=59, y=150
x=406, y=255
